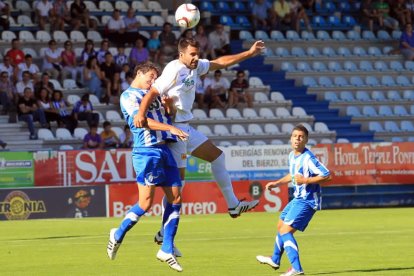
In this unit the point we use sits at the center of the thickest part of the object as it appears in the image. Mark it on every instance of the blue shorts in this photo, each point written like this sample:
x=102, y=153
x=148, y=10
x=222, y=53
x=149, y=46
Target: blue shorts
x=297, y=214
x=155, y=166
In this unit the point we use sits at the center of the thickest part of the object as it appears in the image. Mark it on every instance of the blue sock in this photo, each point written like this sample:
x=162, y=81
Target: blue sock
x=278, y=251
x=171, y=218
x=292, y=250
x=129, y=221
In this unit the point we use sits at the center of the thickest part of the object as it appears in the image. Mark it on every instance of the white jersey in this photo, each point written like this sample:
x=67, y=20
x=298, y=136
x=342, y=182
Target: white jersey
x=179, y=83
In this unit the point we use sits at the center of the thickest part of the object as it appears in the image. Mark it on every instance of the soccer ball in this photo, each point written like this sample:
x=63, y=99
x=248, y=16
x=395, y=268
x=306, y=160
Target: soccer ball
x=187, y=16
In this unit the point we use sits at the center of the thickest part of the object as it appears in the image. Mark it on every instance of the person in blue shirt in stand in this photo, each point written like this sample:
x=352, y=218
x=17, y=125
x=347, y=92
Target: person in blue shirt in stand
x=153, y=163
x=306, y=174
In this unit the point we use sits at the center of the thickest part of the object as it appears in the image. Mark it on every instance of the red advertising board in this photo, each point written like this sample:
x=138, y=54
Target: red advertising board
x=368, y=163
x=199, y=198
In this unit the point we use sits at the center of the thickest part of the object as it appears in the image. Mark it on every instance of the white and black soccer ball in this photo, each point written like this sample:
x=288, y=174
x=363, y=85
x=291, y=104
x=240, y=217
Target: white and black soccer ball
x=187, y=16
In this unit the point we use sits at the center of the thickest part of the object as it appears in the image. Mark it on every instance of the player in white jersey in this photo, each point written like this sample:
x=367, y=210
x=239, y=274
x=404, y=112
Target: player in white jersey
x=178, y=82
x=153, y=163
x=306, y=174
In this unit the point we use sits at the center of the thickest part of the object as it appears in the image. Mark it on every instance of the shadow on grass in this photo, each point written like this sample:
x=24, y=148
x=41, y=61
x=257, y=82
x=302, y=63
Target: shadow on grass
x=364, y=270
x=52, y=238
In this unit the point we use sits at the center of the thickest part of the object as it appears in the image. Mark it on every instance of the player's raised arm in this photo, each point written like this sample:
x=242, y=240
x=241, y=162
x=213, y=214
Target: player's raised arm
x=225, y=61
x=140, y=120
x=282, y=181
x=155, y=125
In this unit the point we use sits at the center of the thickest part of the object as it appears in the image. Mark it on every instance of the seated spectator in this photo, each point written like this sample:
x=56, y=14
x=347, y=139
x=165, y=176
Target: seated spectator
x=370, y=15
x=83, y=111
x=28, y=65
x=219, y=87
x=203, y=90
x=65, y=118
x=15, y=53
x=239, y=90
x=44, y=83
x=205, y=47
x=3, y=144
x=45, y=14
x=62, y=13
x=261, y=14
x=383, y=9
x=115, y=28
x=400, y=12
x=79, y=12
x=100, y=54
x=298, y=14
x=132, y=28
x=92, y=139
x=127, y=82
x=281, y=14
x=308, y=4
x=29, y=112
x=120, y=58
x=138, y=54
x=4, y=10
x=52, y=60
x=6, y=66
x=407, y=42
x=109, y=138
x=8, y=97
x=44, y=103
x=220, y=41
x=24, y=83
x=126, y=138
x=154, y=46
x=108, y=69
x=69, y=62
x=87, y=52
x=168, y=42
x=116, y=84
x=92, y=76
x=125, y=69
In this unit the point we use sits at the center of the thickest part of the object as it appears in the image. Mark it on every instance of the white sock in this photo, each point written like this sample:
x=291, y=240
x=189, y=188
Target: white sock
x=222, y=177
x=163, y=204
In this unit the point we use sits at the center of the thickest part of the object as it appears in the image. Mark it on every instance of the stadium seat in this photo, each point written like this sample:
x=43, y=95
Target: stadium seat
x=408, y=95
x=277, y=35
x=353, y=111
x=94, y=36
x=353, y=35
x=369, y=111
x=380, y=65
x=334, y=21
x=388, y=81
x=199, y=114
x=303, y=66
x=310, y=81
x=73, y=99
x=396, y=66
x=77, y=36
x=242, y=143
x=205, y=130
x=157, y=20
x=221, y=130
x=299, y=112
x=412, y=109
x=307, y=35
x=350, y=66
x=60, y=36
x=113, y=116
x=225, y=144
x=344, y=6
x=385, y=110
x=259, y=34
x=298, y=52
x=365, y=65
x=375, y=126
x=393, y=95
x=344, y=51
x=261, y=97
x=282, y=112
x=312, y=51
x=245, y=35
x=326, y=141
x=308, y=126
x=349, y=20
x=356, y=81
x=334, y=66
x=391, y=126
x=80, y=133
x=94, y=100
x=105, y=6
x=63, y=134
x=400, y=110
x=346, y=96
x=249, y=113
x=238, y=6
x=31, y=52
x=378, y=96
x=287, y=66
x=319, y=66
x=368, y=35
x=259, y=143
x=338, y=35
x=276, y=142
x=396, y=34
x=154, y=6
x=233, y=113
x=397, y=139
x=255, y=82
x=362, y=96
x=342, y=141
x=322, y=35
x=45, y=134
x=403, y=81
x=276, y=96
x=26, y=36
x=325, y=81
x=281, y=52
x=23, y=6
x=266, y=112
x=238, y=129
x=340, y=81
x=374, y=51
x=359, y=51
x=318, y=21
x=383, y=35
x=407, y=126
x=271, y=128
x=70, y=84
x=287, y=128
x=331, y=96
x=122, y=6
x=66, y=147
x=409, y=65
x=254, y=129
x=207, y=6
x=292, y=35
x=8, y=36
x=371, y=81
x=216, y=113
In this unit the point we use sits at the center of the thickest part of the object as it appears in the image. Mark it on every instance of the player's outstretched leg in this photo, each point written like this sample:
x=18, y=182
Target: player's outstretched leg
x=267, y=260
x=242, y=206
x=292, y=251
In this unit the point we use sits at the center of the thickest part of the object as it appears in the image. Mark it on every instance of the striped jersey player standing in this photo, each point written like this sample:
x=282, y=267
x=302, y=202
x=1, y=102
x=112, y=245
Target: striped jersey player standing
x=153, y=163
x=306, y=174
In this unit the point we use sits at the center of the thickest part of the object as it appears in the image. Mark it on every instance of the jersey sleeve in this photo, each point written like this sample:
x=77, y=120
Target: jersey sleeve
x=317, y=168
x=203, y=66
x=129, y=104
x=167, y=79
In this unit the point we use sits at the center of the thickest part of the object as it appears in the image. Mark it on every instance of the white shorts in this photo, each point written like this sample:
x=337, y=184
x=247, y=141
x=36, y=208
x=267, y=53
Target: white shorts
x=182, y=148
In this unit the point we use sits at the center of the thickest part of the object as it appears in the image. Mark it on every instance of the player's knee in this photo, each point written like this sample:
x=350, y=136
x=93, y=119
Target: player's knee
x=176, y=199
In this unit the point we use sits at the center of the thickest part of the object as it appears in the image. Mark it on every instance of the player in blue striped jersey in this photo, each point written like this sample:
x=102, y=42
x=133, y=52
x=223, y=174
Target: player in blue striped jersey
x=306, y=174
x=153, y=163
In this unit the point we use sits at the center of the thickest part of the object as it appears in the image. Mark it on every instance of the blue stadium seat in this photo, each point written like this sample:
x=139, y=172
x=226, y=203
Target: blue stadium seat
x=298, y=52
x=374, y=51
x=206, y=6
x=338, y=35
x=353, y=111
x=245, y=35
x=312, y=51
x=340, y=81
x=259, y=34
x=397, y=139
x=365, y=65
x=369, y=111
x=223, y=7
x=334, y=66
x=334, y=21
x=328, y=51
x=396, y=34
x=292, y=35
x=380, y=65
x=303, y=66
x=307, y=35
x=281, y=52
x=388, y=81
x=357, y=81
x=310, y=81
x=371, y=81
x=350, y=66
x=349, y=21
x=385, y=110
x=331, y=96
x=359, y=51
x=393, y=95
x=383, y=35
x=322, y=35
x=378, y=96
x=362, y=96
x=344, y=7
x=403, y=81
x=389, y=50
x=353, y=35
x=346, y=96
x=227, y=20
x=277, y=35
x=243, y=21
x=368, y=35
x=239, y=6
x=287, y=66
x=319, y=66
x=400, y=110
x=391, y=126
x=325, y=81
x=344, y=51
x=407, y=126
x=412, y=109
x=396, y=66
x=318, y=22
x=409, y=65
x=408, y=95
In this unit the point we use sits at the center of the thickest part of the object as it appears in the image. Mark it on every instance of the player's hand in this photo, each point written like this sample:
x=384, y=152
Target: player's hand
x=271, y=185
x=257, y=48
x=300, y=179
x=140, y=121
x=168, y=104
x=183, y=136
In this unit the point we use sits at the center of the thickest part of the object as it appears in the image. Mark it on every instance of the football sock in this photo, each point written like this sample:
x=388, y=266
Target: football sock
x=292, y=250
x=172, y=218
x=163, y=204
x=278, y=250
x=221, y=175
x=128, y=222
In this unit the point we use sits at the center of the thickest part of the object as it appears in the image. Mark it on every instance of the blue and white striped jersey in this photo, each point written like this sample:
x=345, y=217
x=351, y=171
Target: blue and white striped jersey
x=308, y=165
x=130, y=101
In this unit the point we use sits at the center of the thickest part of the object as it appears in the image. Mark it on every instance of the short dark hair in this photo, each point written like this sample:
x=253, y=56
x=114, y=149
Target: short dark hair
x=145, y=68
x=302, y=128
x=28, y=56
x=185, y=42
x=85, y=97
x=106, y=123
x=217, y=72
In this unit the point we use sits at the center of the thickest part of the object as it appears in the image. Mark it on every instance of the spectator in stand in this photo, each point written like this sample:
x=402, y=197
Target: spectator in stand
x=383, y=9
x=261, y=14
x=205, y=47
x=8, y=96
x=139, y=54
x=92, y=139
x=15, y=53
x=28, y=65
x=154, y=46
x=410, y=6
x=83, y=111
x=298, y=13
x=79, y=12
x=220, y=41
x=44, y=103
x=69, y=62
x=125, y=69
x=116, y=84
x=219, y=87
x=62, y=13
x=120, y=58
x=188, y=33
x=109, y=138
x=132, y=28
x=29, y=112
x=168, y=42
x=281, y=14
x=87, y=52
x=45, y=14
x=407, y=42
x=129, y=77
x=400, y=12
x=100, y=55
x=239, y=90
x=44, y=83
x=3, y=144
x=115, y=27
x=203, y=90
x=4, y=10
x=108, y=69
x=370, y=15
x=52, y=60
x=7, y=66
x=126, y=138
x=92, y=76
x=65, y=118
x=25, y=82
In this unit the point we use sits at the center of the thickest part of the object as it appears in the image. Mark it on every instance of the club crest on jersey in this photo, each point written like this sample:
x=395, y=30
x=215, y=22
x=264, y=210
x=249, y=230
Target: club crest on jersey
x=188, y=82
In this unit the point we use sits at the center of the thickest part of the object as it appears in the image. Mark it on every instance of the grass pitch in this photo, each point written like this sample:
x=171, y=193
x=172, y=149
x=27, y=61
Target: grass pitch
x=337, y=242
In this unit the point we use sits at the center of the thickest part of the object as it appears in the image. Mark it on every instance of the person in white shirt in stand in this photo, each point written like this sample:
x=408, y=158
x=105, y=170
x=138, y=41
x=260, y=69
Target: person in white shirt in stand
x=25, y=82
x=178, y=82
x=203, y=90
x=219, y=88
x=45, y=14
x=116, y=27
x=219, y=41
x=52, y=60
x=28, y=65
